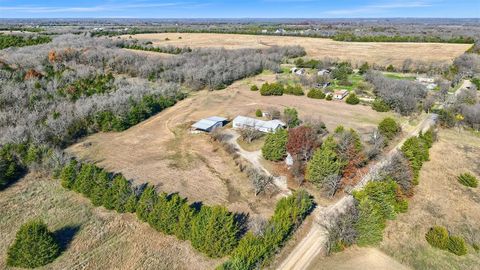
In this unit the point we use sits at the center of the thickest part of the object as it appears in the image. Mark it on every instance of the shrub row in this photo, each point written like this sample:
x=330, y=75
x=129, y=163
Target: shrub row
x=376, y=203
x=254, y=250
x=19, y=41
x=211, y=230
x=383, y=38
x=169, y=49
x=415, y=149
x=379, y=201
x=439, y=237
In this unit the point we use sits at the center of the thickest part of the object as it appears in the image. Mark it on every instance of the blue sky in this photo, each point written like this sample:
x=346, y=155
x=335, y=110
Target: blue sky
x=239, y=8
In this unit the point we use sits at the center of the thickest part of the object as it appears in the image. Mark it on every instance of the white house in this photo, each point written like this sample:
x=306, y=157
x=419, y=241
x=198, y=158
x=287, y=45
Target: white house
x=323, y=72
x=340, y=94
x=425, y=80
x=209, y=124
x=260, y=125
x=298, y=71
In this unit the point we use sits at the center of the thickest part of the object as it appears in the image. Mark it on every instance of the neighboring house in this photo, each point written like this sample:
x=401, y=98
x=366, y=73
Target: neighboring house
x=264, y=31
x=210, y=124
x=323, y=72
x=298, y=71
x=340, y=94
x=280, y=31
x=425, y=80
x=260, y=125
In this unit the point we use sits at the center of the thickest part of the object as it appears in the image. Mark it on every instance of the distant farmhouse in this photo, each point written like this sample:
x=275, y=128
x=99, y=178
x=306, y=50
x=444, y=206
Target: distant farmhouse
x=323, y=72
x=429, y=83
x=260, y=125
x=210, y=124
x=298, y=71
x=340, y=94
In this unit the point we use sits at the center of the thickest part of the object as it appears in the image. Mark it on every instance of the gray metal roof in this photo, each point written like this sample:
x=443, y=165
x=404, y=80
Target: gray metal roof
x=204, y=124
x=248, y=121
x=217, y=118
x=209, y=122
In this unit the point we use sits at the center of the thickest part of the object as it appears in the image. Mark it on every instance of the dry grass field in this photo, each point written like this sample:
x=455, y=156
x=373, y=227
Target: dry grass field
x=162, y=151
x=440, y=200
x=357, y=52
x=96, y=238
x=357, y=259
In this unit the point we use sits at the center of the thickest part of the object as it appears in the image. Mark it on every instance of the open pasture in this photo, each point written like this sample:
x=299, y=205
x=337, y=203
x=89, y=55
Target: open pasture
x=378, y=53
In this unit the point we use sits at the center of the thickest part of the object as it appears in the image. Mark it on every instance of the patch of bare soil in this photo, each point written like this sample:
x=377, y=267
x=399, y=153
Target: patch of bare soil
x=358, y=52
x=93, y=238
x=440, y=200
x=358, y=259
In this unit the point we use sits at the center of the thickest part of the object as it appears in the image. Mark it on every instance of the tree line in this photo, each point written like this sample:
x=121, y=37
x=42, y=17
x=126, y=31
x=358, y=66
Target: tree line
x=167, y=49
x=350, y=37
x=7, y=41
x=384, y=197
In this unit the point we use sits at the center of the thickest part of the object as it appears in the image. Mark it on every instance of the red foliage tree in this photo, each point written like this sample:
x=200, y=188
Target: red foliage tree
x=301, y=142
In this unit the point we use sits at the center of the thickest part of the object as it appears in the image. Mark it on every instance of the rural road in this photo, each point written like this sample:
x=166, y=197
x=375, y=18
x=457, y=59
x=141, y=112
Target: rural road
x=316, y=241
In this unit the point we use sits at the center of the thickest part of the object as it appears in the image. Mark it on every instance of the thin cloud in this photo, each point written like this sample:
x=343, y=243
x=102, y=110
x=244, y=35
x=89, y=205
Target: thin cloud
x=377, y=8
x=97, y=8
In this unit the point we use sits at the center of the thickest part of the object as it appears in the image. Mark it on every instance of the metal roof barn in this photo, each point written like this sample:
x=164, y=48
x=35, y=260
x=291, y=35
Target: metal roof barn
x=210, y=124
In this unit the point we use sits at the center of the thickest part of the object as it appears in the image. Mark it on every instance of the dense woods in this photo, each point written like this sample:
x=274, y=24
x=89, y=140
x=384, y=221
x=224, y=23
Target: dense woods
x=7, y=41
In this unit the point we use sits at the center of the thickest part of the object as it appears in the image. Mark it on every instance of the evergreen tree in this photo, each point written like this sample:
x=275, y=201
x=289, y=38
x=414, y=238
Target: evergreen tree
x=99, y=191
x=290, y=116
x=185, y=217
x=85, y=179
x=69, y=174
x=121, y=190
x=324, y=162
x=131, y=205
x=146, y=203
x=34, y=246
x=370, y=224
x=155, y=218
x=352, y=99
x=275, y=147
x=214, y=231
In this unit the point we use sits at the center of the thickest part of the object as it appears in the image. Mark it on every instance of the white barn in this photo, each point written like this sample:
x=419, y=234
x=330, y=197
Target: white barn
x=209, y=124
x=260, y=125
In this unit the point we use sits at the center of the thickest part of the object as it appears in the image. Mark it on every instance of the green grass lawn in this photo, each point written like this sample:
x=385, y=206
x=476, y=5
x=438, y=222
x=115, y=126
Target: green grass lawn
x=399, y=76
x=355, y=79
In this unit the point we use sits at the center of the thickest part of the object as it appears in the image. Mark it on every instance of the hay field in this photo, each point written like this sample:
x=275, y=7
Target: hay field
x=94, y=238
x=357, y=52
x=440, y=200
x=162, y=151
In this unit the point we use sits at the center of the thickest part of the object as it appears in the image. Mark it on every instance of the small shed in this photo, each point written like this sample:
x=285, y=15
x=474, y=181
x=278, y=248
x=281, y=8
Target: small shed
x=340, y=94
x=210, y=124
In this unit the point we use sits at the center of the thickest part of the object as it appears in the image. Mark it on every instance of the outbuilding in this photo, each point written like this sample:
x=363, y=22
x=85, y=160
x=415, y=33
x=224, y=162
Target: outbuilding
x=340, y=94
x=257, y=124
x=210, y=124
